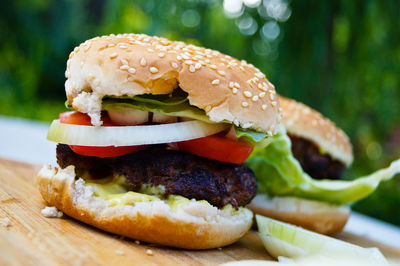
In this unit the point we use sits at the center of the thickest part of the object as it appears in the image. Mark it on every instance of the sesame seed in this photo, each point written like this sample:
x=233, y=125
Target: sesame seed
x=234, y=90
x=237, y=85
x=271, y=96
x=179, y=57
x=222, y=73
x=124, y=67
x=87, y=45
x=212, y=66
x=274, y=103
x=110, y=45
x=241, y=68
x=247, y=94
x=132, y=70
x=245, y=104
x=215, y=82
x=280, y=110
x=149, y=252
x=153, y=70
x=192, y=69
x=125, y=62
x=264, y=107
x=207, y=60
x=143, y=62
x=255, y=98
x=184, y=56
x=259, y=75
x=262, y=94
x=231, y=84
x=137, y=242
x=174, y=65
x=113, y=55
x=150, y=50
x=123, y=46
x=161, y=54
x=197, y=65
x=188, y=62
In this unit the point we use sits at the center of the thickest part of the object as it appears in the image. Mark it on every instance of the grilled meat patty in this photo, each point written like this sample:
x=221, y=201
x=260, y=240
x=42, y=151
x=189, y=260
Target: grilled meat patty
x=317, y=165
x=179, y=172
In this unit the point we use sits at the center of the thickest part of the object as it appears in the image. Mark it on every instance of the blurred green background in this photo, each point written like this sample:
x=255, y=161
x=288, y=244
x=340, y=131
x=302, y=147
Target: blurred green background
x=340, y=57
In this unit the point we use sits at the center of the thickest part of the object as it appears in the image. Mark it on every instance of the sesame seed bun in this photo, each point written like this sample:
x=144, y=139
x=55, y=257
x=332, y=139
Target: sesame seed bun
x=320, y=217
x=302, y=121
x=130, y=64
x=194, y=225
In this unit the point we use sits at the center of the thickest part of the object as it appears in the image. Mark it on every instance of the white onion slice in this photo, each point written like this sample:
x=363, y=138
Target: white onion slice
x=282, y=239
x=130, y=135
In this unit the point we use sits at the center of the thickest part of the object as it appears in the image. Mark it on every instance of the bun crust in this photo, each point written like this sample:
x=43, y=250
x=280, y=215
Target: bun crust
x=129, y=64
x=194, y=225
x=302, y=121
x=316, y=216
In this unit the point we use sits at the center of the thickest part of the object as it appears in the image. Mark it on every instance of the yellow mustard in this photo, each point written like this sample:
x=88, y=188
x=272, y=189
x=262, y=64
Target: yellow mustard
x=114, y=191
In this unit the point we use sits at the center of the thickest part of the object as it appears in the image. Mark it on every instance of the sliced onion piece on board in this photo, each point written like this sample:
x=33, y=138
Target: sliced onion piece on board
x=131, y=135
x=282, y=239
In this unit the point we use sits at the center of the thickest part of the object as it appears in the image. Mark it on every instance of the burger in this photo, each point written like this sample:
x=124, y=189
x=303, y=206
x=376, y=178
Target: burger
x=299, y=172
x=154, y=147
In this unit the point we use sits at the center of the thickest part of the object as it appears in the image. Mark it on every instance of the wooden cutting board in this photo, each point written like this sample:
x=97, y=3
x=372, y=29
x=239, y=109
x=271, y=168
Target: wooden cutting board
x=32, y=239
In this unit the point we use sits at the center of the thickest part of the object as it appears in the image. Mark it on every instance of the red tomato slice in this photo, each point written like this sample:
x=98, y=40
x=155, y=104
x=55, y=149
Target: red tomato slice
x=78, y=118
x=218, y=148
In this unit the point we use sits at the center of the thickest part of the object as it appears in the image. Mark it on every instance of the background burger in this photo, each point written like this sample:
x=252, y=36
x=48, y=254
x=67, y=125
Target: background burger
x=299, y=172
x=155, y=148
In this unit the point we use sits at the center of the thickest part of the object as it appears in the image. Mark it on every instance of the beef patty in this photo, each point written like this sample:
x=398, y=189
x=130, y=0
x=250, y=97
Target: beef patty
x=179, y=172
x=317, y=165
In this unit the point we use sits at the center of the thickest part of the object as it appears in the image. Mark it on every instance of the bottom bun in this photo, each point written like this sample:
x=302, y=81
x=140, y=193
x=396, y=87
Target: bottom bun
x=320, y=217
x=194, y=225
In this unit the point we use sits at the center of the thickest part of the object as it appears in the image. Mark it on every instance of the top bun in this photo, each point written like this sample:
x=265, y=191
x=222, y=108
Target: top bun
x=302, y=121
x=133, y=64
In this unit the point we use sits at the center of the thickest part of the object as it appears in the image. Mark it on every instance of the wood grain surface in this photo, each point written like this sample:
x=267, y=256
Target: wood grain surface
x=32, y=239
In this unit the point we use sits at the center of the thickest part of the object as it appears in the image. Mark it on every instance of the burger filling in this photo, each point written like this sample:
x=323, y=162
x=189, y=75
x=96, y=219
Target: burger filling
x=158, y=147
x=313, y=161
x=161, y=171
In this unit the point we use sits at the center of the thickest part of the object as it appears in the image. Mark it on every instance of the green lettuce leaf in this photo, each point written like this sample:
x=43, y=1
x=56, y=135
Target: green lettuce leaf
x=279, y=174
x=257, y=139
